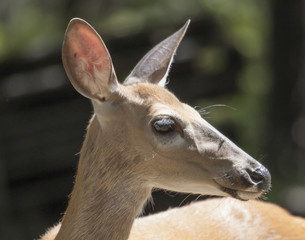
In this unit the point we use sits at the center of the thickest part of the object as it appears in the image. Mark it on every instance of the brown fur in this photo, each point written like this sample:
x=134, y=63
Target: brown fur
x=217, y=219
x=220, y=219
x=100, y=169
x=124, y=156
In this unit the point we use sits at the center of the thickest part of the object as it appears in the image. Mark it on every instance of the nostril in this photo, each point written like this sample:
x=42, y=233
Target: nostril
x=257, y=175
x=260, y=178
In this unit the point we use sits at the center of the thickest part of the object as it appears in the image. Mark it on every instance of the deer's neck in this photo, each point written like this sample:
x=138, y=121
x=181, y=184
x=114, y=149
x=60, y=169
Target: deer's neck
x=107, y=196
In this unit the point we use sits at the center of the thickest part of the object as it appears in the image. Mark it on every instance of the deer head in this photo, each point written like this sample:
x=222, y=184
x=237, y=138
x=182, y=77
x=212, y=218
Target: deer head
x=163, y=141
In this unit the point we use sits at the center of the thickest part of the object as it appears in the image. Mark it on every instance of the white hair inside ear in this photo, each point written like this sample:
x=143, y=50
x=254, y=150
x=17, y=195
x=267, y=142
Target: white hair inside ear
x=165, y=80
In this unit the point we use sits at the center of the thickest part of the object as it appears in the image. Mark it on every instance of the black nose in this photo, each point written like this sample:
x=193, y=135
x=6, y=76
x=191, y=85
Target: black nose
x=260, y=177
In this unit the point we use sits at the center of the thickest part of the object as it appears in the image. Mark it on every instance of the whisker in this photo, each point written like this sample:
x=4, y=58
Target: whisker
x=184, y=199
x=262, y=157
x=218, y=105
x=203, y=111
x=196, y=199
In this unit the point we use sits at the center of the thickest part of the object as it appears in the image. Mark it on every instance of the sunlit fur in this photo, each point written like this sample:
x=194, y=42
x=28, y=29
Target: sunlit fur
x=113, y=183
x=221, y=219
x=217, y=219
x=123, y=158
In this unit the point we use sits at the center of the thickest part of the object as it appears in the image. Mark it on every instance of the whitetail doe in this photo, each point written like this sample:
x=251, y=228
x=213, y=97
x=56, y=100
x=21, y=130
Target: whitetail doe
x=142, y=137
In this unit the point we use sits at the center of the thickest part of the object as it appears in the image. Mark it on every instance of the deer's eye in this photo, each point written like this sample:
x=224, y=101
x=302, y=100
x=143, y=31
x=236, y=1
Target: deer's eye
x=164, y=125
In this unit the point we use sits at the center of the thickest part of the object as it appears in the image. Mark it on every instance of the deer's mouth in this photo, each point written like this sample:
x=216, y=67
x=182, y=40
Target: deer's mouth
x=240, y=193
x=243, y=195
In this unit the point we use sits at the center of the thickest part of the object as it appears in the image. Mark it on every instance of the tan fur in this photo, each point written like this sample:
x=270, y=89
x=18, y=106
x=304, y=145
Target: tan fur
x=220, y=219
x=125, y=155
x=212, y=219
x=217, y=219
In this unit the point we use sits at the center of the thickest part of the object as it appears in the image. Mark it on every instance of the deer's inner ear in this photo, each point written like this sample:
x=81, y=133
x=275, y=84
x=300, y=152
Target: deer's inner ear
x=87, y=61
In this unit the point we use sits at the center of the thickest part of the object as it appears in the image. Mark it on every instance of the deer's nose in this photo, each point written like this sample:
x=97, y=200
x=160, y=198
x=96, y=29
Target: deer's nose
x=261, y=177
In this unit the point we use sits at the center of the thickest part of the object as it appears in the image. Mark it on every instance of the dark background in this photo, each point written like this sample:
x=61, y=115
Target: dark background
x=248, y=55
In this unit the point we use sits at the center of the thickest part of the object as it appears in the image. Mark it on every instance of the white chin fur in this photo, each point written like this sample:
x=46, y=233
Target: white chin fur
x=243, y=195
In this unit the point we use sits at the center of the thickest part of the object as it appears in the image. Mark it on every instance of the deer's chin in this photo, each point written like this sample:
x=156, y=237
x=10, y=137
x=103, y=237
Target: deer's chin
x=245, y=195
x=242, y=195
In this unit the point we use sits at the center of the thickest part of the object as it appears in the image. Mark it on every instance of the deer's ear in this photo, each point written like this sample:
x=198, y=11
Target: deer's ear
x=155, y=65
x=87, y=61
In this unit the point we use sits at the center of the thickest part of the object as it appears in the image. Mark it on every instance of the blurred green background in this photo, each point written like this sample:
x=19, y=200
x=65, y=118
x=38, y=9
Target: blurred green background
x=246, y=55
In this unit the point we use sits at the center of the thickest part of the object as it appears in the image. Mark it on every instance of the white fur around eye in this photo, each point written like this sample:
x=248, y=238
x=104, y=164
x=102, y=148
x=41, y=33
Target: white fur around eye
x=169, y=142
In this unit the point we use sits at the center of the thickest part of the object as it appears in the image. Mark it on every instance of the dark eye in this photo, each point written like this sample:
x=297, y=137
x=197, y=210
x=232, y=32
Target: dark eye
x=164, y=125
